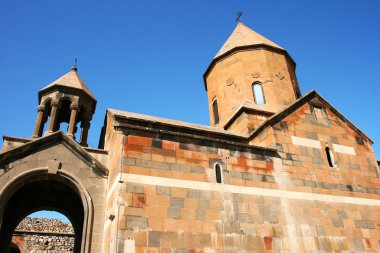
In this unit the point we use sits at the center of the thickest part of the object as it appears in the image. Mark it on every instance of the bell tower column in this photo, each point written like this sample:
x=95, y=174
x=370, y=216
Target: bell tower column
x=37, y=128
x=53, y=116
x=73, y=116
x=85, y=125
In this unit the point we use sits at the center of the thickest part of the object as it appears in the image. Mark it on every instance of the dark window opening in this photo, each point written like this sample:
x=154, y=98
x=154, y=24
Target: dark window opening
x=330, y=157
x=359, y=140
x=216, y=112
x=218, y=174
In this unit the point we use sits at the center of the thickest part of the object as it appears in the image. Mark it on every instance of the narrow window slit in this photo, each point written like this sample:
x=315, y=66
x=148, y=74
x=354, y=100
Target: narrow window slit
x=216, y=112
x=218, y=174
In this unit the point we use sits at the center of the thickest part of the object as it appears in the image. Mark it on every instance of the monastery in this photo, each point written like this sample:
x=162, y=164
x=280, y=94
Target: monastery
x=277, y=170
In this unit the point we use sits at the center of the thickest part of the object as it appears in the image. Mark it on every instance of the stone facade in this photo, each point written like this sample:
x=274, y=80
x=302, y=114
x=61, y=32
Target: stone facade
x=44, y=235
x=291, y=174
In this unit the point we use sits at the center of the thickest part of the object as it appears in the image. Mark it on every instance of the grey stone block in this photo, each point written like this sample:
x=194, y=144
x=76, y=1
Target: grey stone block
x=154, y=239
x=360, y=223
x=358, y=244
x=174, y=213
x=268, y=178
x=176, y=202
x=128, y=161
x=337, y=223
x=136, y=188
x=310, y=183
x=342, y=214
x=198, y=170
x=370, y=224
x=137, y=221
x=191, y=193
x=153, y=164
x=163, y=190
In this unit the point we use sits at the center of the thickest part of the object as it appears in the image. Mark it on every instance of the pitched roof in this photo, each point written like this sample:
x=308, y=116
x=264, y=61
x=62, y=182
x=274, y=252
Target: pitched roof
x=148, y=123
x=244, y=36
x=46, y=142
x=291, y=108
x=71, y=80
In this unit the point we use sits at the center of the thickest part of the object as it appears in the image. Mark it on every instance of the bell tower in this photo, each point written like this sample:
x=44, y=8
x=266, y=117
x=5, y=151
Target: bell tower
x=66, y=100
x=249, y=79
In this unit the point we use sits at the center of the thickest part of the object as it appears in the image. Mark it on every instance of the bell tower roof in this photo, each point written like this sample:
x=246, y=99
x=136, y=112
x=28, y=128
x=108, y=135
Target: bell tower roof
x=66, y=100
x=70, y=80
x=244, y=36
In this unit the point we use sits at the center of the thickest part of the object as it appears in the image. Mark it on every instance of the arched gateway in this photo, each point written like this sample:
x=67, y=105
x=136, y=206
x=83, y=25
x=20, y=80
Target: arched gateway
x=39, y=190
x=53, y=171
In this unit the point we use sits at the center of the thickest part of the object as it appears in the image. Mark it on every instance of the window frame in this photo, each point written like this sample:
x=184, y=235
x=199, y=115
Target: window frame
x=262, y=93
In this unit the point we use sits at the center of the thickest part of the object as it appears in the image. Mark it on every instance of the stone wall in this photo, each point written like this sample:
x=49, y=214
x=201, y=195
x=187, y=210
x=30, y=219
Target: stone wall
x=166, y=199
x=44, y=235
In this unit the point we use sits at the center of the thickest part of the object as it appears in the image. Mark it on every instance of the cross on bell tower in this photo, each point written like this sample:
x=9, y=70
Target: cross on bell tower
x=66, y=100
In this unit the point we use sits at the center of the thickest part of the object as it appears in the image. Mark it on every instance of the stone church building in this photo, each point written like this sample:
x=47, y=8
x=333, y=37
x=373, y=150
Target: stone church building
x=277, y=171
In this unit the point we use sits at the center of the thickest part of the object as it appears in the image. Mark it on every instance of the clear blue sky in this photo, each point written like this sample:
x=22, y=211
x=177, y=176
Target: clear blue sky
x=149, y=56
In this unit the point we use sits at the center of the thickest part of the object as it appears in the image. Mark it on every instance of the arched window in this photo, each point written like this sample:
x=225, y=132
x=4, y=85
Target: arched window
x=258, y=93
x=215, y=111
x=330, y=157
x=218, y=174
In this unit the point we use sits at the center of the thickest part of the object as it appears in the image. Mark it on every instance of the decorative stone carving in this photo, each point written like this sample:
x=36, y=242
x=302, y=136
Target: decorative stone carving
x=280, y=76
x=230, y=81
x=255, y=74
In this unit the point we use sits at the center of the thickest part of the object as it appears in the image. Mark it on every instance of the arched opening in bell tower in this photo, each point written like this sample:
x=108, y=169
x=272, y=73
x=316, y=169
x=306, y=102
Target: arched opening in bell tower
x=43, y=192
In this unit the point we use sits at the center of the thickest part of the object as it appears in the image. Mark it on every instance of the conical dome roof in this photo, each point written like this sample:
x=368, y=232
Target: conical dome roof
x=71, y=80
x=244, y=36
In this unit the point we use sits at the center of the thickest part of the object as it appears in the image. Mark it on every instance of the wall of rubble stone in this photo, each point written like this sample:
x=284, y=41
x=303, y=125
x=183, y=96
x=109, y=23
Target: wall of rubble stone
x=46, y=235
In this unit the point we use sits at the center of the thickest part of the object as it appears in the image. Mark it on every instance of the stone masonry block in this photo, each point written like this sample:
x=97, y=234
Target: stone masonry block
x=272, y=219
x=174, y=213
x=176, y=202
x=135, y=188
x=129, y=161
x=205, y=195
x=203, y=204
x=191, y=193
x=337, y=223
x=136, y=221
x=163, y=190
x=154, y=239
x=152, y=164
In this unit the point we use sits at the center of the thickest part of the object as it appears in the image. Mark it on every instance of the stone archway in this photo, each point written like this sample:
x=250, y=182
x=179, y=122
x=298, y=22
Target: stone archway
x=39, y=191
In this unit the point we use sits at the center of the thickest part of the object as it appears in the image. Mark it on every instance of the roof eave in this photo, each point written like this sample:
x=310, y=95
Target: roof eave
x=18, y=152
x=182, y=131
x=274, y=119
x=243, y=48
